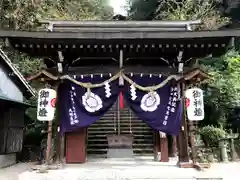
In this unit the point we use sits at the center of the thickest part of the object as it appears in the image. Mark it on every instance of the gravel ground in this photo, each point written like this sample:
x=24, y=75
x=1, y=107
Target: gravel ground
x=122, y=171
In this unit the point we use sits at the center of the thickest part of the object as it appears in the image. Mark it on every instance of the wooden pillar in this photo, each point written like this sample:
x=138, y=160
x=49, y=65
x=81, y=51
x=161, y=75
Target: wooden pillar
x=157, y=148
x=58, y=146
x=161, y=146
x=57, y=130
x=192, y=141
x=174, y=147
x=76, y=146
x=62, y=148
x=164, y=148
x=49, y=143
x=182, y=139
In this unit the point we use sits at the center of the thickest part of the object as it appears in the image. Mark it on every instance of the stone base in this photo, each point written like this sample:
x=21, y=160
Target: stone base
x=198, y=166
x=113, y=169
x=120, y=153
x=185, y=164
x=7, y=160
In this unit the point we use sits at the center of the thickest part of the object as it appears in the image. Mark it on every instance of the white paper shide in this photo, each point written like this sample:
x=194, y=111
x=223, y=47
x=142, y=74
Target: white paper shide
x=194, y=104
x=46, y=104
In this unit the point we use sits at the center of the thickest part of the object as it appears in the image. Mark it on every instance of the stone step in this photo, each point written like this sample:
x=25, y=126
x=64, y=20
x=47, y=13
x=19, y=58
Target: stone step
x=122, y=121
x=106, y=149
x=100, y=140
x=136, y=141
x=105, y=145
x=111, y=127
x=107, y=123
x=127, y=121
x=136, y=133
x=104, y=153
x=99, y=134
x=125, y=130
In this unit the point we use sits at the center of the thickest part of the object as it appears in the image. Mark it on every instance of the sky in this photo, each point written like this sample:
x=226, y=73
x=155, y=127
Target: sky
x=118, y=6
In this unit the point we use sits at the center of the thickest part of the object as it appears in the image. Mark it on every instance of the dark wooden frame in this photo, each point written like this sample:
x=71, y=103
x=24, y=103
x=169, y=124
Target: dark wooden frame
x=11, y=124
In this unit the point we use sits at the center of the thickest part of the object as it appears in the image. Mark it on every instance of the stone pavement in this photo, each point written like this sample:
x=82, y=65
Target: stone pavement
x=12, y=172
x=131, y=170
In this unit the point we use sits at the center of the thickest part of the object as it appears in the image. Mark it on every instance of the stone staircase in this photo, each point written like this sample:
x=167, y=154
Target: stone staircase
x=97, y=133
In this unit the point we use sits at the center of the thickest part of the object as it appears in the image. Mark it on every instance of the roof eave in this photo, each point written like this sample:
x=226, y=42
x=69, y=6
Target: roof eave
x=138, y=34
x=42, y=74
x=29, y=90
x=121, y=23
x=194, y=75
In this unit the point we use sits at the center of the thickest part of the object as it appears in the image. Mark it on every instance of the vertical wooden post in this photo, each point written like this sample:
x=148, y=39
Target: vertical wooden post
x=57, y=142
x=62, y=147
x=163, y=147
x=156, y=145
x=174, y=147
x=164, y=150
x=49, y=143
x=60, y=138
x=182, y=139
x=192, y=141
x=183, y=136
x=58, y=133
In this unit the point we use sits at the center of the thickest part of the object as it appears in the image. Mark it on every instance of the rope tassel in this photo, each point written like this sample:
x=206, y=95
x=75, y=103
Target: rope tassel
x=121, y=80
x=88, y=92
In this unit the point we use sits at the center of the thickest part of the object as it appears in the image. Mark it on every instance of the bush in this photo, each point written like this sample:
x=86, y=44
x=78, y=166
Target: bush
x=211, y=135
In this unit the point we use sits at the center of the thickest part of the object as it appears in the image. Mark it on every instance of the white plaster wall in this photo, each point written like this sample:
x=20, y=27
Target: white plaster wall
x=8, y=87
x=7, y=160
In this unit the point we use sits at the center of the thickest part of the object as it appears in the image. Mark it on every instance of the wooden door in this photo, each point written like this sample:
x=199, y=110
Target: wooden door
x=76, y=146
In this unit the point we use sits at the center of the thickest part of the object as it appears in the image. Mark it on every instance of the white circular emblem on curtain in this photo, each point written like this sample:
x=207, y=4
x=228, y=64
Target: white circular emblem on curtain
x=92, y=102
x=150, y=101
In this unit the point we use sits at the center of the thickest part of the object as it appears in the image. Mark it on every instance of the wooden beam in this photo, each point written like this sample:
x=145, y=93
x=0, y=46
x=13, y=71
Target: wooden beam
x=43, y=75
x=199, y=73
x=194, y=75
x=51, y=75
x=114, y=69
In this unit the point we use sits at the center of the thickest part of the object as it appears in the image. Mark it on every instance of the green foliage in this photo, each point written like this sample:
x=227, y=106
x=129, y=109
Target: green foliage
x=27, y=65
x=75, y=10
x=25, y=14
x=223, y=88
x=192, y=10
x=204, y=10
x=19, y=14
x=211, y=135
